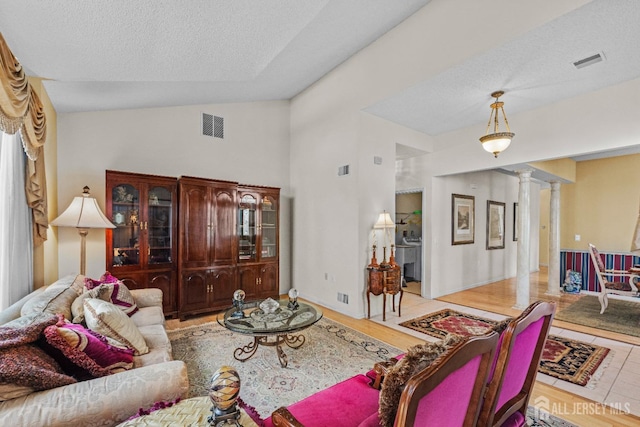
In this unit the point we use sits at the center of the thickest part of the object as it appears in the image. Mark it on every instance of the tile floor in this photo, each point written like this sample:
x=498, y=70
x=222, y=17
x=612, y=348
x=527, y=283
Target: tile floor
x=616, y=383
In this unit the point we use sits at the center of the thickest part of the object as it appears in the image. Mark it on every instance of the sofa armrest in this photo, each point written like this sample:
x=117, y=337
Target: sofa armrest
x=101, y=401
x=281, y=417
x=13, y=311
x=147, y=297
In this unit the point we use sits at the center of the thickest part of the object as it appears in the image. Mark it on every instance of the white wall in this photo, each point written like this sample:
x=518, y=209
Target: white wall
x=332, y=216
x=169, y=141
x=458, y=267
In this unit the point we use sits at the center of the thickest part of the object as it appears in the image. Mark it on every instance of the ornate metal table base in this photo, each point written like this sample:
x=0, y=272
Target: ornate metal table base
x=294, y=341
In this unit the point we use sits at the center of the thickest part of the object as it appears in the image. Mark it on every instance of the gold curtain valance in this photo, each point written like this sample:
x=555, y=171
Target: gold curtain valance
x=34, y=128
x=21, y=109
x=14, y=90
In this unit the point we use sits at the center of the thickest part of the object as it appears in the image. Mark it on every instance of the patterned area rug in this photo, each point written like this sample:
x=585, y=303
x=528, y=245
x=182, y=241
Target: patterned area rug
x=563, y=358
x=318, y=364
x=620, y=316
x=265, y=385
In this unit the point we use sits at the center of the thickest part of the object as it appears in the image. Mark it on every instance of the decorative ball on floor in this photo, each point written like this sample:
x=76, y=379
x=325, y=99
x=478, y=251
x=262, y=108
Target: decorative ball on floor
x=224, y=390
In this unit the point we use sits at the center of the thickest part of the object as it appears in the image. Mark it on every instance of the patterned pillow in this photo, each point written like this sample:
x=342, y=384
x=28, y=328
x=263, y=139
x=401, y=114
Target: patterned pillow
x=90, y=283
x=115, y=293
x=107, y=319
x=417, y=358
x=86, y=354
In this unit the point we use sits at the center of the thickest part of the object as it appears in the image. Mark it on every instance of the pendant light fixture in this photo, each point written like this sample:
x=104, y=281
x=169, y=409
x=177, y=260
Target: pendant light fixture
x=496, y=141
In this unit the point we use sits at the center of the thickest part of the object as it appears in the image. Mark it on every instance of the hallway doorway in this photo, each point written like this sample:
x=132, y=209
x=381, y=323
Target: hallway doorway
x=408, y=238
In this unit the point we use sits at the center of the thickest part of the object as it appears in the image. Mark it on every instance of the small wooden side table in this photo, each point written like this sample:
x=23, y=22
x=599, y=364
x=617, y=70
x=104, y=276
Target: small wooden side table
x=384, y=279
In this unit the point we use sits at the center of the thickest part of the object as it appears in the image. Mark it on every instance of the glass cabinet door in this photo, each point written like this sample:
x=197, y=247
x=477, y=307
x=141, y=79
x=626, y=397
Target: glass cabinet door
x=159, y=226
x=125, y=215
x=268, y=227
x=247, y=228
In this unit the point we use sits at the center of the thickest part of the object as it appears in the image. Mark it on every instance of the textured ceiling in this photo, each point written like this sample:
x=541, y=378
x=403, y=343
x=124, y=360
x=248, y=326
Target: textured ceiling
x=534, y=70
x=152, y=53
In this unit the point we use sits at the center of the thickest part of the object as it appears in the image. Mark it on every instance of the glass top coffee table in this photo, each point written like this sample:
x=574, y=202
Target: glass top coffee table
x=271, y=329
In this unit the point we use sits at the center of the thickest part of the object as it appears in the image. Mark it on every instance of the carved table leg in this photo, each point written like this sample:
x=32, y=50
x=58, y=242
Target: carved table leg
x=243, y=353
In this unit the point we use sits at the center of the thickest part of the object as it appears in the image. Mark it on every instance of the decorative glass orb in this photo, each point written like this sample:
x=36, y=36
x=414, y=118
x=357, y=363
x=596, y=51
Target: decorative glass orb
x=224, y=388
x=293, y=293
x=239, y=295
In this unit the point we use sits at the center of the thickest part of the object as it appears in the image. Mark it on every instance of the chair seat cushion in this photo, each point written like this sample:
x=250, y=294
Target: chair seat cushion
x=323, y=409
x=619, y=286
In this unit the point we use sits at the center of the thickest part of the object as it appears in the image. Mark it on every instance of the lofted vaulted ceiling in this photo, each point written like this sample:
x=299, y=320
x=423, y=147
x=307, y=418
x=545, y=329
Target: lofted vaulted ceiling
x=125, y=54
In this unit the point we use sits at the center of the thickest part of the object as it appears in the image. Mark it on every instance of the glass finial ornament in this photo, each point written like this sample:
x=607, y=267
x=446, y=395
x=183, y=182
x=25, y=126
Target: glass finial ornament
x=224, y=390
x=238, y=303
x=293, y=299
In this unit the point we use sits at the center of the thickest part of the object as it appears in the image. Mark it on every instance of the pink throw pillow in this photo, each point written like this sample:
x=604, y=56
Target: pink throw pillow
x=90, y=283
x=86, y=354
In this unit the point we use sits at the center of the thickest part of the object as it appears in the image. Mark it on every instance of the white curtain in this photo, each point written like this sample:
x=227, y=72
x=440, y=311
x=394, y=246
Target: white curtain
x=16, y=248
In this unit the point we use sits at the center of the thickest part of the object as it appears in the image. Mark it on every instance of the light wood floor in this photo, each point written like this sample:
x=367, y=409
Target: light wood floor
x=498, y=297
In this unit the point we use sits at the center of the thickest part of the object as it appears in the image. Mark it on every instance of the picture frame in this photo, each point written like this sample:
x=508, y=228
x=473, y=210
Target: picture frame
x=515, y=221
x=463, y=214
x=495, y=224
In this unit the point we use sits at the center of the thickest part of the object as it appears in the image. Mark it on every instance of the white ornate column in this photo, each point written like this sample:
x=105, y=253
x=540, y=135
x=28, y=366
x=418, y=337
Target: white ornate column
x=554, y=240
x=524, y=238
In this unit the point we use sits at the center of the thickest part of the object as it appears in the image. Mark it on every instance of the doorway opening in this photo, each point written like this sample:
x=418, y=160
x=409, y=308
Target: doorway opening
x=408, y=239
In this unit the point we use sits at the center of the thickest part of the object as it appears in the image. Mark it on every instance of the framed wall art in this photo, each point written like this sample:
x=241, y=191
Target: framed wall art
x=495, y=225
x=462, y=219
x=515, y=222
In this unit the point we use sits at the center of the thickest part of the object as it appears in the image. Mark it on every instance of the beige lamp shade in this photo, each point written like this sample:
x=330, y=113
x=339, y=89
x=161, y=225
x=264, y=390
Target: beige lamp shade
x=384, y=221
x=83, y=213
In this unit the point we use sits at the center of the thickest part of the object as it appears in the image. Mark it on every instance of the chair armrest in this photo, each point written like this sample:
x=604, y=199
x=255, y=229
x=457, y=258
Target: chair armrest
x=281, y=417
x=620, y=272
x=147, y=297
x=382, y=369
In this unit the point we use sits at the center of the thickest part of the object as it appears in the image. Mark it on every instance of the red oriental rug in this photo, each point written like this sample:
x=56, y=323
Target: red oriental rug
x=562, y=358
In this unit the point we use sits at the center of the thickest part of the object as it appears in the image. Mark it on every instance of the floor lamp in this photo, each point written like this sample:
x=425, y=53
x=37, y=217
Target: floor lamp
x=83, y=213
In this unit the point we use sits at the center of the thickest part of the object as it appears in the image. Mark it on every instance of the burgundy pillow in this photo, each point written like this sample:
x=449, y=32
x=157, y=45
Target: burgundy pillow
x=90, y=283
x=85, y=354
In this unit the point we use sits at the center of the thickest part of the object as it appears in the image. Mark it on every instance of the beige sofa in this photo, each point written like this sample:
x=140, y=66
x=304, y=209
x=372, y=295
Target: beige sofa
x=108, y=400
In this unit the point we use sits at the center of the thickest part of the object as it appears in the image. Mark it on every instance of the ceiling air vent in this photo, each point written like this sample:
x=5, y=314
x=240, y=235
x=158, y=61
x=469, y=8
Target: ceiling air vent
x=212, y=126
x=593, y=59
x=343, y=170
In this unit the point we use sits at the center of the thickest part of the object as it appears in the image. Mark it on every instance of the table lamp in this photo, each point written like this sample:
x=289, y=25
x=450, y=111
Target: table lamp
x=83, y=213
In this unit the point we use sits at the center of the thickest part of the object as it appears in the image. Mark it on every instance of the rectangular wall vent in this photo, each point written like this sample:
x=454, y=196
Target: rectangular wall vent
x=212, y=126
x=344, y=298
x=593, y=59
x=377, y=160
x=343, y=170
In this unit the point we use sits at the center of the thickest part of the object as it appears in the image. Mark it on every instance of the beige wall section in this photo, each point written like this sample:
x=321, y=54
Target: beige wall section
x=45, y=256
x=545, y=202
x=563, y=168
x=169, y=141
x=602, y=206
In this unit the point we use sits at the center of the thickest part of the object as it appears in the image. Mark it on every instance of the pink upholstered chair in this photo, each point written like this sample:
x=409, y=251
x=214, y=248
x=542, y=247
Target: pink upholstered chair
x=607, y=283
x=515, y=367
x=446, y=393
